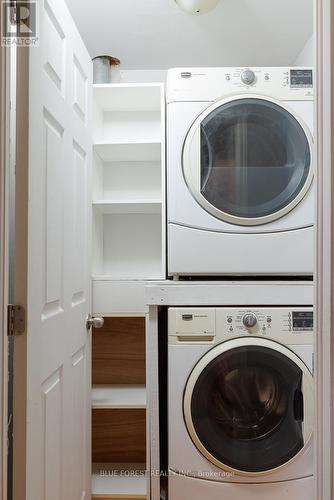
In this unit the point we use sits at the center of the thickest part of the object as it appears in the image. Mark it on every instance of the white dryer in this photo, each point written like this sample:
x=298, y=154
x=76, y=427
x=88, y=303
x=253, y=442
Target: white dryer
x=240, y=165
x=240, y=395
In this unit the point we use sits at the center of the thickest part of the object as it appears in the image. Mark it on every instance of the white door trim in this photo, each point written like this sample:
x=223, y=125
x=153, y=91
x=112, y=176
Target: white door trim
x=324, y=267
x=4, y=165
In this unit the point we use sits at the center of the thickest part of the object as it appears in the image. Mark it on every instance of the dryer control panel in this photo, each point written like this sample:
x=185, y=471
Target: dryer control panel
x=292, y=325
x=211, y=84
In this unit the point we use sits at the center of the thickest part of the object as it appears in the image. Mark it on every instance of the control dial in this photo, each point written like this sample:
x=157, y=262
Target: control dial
x=249, y=320
x=248, y=77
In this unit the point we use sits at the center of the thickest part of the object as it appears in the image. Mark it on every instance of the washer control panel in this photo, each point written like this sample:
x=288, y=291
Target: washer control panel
x=212, y=325
x=266, y=321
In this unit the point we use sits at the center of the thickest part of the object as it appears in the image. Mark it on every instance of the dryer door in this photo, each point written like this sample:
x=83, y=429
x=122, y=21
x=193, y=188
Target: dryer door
x=248, y=161
x=248, y=405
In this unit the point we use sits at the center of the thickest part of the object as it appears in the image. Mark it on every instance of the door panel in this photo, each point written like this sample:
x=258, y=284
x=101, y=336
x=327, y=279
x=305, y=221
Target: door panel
x=248, y=405
x=243, y=409
x=59, y=299
x=248, y=160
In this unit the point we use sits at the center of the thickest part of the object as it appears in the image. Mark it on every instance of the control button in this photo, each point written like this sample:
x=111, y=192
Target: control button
x=266, y=77
x=228, y=78
x=249, y=320
x=231, y=328
x=269, y=320
x=248, y=77
x=229, y=320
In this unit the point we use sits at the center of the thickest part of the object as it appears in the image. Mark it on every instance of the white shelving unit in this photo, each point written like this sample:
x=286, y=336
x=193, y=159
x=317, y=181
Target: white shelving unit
x=128, y=242
x=129, y=182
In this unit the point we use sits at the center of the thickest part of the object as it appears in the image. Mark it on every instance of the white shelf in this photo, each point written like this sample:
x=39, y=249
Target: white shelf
x=128, y=151
x=111, y=278
x=129, y=182
x=119, y=396
x=125, y=126
x=136, y=180
x=117, y=480
x=128, y=97
x=128, y=246
x=128, y=206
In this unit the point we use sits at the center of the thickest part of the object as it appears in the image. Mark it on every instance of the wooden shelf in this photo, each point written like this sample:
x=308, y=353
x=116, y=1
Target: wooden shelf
x=119, y=396
x=129, y=151
x=118, y=352
x=117, y=481
x=128, y=206
x=119, y=434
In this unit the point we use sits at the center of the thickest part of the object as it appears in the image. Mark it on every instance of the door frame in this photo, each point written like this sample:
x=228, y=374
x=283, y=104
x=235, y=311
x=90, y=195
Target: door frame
x=4, y=260
x=324, y=276
x=325, y=263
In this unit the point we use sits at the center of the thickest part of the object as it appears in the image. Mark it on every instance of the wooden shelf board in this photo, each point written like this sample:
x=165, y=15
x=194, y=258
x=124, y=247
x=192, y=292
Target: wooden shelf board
x=119, y=396
x=118, y=497
x=119, y=481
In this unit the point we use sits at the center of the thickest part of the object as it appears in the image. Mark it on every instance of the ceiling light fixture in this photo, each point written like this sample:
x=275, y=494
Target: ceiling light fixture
x=197, y=6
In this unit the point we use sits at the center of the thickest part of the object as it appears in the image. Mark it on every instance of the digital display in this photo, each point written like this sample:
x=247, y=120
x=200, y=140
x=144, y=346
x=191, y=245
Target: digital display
x=302, y=320
x=301, y=78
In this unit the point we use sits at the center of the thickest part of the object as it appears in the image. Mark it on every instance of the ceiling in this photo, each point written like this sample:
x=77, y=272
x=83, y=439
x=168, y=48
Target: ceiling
x=156, y=34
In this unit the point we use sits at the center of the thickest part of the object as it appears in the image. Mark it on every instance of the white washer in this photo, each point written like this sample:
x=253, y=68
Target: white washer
x=240, y=166
x=240, y=396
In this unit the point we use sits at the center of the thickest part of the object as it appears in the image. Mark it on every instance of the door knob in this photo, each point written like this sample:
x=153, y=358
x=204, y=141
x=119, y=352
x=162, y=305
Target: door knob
x=249, y=320
x=96, y=321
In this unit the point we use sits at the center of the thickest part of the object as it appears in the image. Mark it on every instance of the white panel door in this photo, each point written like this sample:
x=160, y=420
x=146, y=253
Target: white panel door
x=59, y=298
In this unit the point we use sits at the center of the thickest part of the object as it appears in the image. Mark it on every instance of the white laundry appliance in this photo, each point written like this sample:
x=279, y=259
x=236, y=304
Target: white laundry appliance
x=240, y=396
x=240, y=166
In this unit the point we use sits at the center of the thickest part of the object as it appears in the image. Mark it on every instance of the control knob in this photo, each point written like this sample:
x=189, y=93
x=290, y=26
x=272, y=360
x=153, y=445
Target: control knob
x=249, y=320
x=248, y=77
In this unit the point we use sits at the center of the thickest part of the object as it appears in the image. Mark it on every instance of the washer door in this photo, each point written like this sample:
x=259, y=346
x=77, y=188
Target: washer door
x=247, y=160
x=248, y=405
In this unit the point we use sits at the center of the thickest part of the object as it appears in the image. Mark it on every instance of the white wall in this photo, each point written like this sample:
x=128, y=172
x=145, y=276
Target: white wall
x=143, y=76
x=305, y=57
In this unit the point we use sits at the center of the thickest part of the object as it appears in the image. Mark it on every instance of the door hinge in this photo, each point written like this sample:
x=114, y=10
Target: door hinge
x=16, y=320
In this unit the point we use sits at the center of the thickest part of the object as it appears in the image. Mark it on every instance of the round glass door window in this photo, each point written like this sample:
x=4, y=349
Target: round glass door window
x=248, y=161
x=246, y=409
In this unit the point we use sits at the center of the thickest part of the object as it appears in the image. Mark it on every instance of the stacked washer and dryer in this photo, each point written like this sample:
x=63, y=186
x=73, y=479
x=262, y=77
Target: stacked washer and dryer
x=240, y=170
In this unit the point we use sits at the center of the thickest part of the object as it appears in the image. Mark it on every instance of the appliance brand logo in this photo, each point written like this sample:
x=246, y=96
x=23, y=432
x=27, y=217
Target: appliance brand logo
x=20, y=23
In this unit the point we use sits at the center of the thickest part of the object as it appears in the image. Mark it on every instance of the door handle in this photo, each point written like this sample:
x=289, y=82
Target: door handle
x=95, y=321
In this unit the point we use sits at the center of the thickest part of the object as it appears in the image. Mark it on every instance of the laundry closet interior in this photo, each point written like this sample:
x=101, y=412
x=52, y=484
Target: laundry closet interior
x=174, y=209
